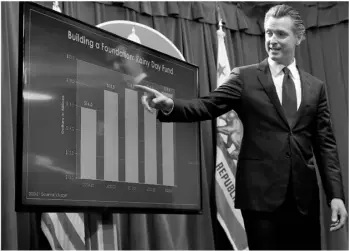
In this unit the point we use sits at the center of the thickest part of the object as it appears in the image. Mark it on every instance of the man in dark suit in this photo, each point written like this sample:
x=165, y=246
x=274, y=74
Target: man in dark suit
x=286, y=120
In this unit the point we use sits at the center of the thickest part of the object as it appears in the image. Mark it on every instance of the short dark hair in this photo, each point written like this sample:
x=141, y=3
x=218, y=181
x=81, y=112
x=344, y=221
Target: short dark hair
x=284, y=10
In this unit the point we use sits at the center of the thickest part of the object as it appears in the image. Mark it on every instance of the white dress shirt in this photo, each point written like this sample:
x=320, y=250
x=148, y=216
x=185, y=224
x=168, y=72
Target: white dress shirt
x=278, y=76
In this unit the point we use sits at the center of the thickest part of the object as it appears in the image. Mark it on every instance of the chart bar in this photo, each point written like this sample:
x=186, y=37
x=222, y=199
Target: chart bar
x=168, y=152
x=150, y=163
x=88, y=143
x=131, y=135
x=111, y=136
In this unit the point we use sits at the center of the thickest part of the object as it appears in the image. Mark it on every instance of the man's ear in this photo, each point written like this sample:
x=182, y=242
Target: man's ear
x=299, y=40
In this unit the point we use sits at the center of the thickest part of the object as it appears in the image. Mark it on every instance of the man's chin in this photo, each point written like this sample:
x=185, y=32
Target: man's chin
x=274, y=57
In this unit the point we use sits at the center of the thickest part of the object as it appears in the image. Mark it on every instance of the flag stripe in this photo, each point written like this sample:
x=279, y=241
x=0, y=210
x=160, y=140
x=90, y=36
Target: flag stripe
x=115, y=231
x=48, y=228
x=77, y=220
x=226, y=230
x=100, y=233
x=71, y=232
x=230, y=220
x=62, y=237
x=49, y=236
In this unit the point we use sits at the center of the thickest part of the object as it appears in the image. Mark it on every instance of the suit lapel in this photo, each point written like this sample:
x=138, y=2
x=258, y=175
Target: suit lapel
x=305, y=89
x=265, y=78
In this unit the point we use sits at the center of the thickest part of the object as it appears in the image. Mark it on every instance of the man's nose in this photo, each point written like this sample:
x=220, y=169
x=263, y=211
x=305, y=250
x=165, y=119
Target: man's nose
x=273, y=40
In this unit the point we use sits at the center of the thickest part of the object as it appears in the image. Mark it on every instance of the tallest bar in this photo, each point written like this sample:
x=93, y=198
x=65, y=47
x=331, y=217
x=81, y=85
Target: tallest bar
x=131, y=136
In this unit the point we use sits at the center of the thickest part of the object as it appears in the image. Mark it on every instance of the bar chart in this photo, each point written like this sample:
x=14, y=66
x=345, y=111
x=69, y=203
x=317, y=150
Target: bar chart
x=86, y=142
x=119, y=140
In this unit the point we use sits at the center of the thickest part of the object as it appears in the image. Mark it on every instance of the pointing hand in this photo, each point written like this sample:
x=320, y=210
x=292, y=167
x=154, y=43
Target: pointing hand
x=153, y=99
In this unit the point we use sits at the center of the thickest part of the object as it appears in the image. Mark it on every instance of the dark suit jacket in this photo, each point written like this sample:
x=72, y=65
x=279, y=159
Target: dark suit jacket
x=272, y=149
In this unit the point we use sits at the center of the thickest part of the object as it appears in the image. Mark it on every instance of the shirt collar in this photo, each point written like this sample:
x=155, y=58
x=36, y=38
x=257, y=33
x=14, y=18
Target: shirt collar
x=276, y=68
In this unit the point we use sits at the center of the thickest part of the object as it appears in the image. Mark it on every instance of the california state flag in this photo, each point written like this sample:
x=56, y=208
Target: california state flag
x=229, y=136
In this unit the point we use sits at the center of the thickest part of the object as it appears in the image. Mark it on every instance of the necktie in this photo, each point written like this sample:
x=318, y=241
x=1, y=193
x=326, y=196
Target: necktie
x=289, y=98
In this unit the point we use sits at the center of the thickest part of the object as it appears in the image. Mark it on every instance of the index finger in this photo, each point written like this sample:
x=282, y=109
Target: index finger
x=146, y=89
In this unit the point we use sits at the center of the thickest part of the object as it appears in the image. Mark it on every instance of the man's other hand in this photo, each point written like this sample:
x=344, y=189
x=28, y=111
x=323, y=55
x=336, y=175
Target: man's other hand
x=339, y=214
x=153, y=99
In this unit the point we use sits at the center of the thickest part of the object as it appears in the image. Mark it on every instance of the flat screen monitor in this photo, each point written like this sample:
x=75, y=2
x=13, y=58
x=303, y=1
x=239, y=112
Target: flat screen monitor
x=85, y=142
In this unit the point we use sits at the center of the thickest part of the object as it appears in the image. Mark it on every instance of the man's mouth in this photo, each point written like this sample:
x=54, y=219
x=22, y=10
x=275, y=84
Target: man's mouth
x=274, y=49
